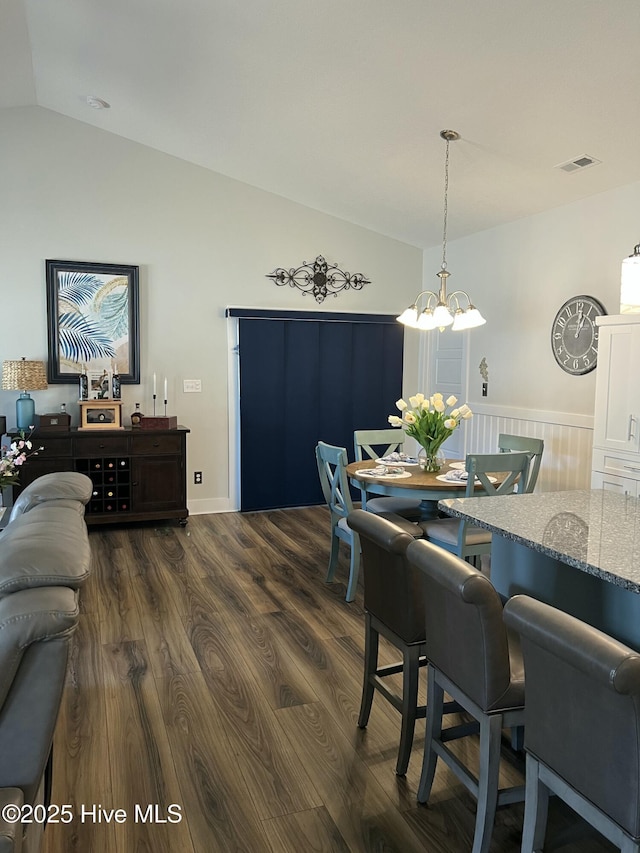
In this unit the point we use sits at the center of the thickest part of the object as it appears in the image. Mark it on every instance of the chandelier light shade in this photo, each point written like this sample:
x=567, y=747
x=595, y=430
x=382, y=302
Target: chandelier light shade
x=432, y=310
x=630, y=283
x=24, y=376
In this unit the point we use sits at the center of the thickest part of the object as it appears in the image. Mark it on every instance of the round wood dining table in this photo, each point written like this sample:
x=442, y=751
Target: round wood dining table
x=420, y=484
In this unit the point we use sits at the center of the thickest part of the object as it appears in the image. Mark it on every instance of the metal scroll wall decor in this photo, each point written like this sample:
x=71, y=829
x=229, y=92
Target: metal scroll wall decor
x=319, y=278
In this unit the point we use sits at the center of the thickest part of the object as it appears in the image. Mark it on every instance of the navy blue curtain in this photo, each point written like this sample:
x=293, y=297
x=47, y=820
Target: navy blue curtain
x=302, y=380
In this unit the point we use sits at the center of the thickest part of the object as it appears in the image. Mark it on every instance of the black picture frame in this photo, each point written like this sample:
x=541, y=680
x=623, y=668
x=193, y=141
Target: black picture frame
x=93, y=320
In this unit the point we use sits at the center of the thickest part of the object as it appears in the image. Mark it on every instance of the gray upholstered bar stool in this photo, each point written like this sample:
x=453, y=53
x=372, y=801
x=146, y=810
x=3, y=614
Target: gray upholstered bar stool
x=474, y=659
x=582, y=729
x=394, y=608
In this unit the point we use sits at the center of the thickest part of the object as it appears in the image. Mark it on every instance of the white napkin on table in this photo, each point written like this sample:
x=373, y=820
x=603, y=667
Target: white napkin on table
x=457, y=476
x=399, y=457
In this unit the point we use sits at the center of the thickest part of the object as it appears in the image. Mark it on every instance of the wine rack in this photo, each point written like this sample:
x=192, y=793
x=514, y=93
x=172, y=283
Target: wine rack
x=111, y=478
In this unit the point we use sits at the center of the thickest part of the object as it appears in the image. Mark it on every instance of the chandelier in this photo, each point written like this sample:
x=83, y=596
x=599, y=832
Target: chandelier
x=441, y=309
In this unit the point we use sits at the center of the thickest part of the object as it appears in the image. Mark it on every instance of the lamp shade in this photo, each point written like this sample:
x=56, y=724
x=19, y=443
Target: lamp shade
x=442, y=316
x=409, y=316
x=24, y=375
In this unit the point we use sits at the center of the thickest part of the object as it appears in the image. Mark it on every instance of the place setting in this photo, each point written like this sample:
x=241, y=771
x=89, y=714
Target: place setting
x=458, y=474
x=397, y=459
x=385, y=472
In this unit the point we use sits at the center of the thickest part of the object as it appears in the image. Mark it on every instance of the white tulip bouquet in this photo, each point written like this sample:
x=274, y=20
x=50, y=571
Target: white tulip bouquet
x=428, y=421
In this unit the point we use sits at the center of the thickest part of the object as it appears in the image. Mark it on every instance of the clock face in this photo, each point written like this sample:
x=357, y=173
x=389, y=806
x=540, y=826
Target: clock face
x=574, y=334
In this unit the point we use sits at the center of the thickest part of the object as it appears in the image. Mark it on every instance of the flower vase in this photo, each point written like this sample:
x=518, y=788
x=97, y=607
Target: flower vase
x=431, y=461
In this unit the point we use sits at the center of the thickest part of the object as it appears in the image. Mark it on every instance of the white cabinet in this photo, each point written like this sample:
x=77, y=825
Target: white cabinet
x=616, y=436
x=613, y=483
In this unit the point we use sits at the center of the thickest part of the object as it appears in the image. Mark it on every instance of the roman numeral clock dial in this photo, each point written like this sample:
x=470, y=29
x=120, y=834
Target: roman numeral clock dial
x=574, y=334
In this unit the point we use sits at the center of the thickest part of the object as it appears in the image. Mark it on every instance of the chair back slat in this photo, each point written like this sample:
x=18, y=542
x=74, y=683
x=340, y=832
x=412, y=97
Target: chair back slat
x=522, y=443
x=510, y=468
x=332, y=470
x=376, y=443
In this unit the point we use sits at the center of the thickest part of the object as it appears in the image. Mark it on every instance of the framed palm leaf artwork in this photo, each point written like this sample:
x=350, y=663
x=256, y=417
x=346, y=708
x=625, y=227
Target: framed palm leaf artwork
x=93, y=320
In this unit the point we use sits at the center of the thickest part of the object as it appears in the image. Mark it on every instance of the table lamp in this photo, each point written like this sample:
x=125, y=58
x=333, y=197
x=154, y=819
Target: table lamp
x=24, y=376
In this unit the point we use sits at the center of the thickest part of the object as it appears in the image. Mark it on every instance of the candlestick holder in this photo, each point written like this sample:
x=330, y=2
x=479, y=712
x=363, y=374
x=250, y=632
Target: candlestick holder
x=165, y=408
x=154, y=405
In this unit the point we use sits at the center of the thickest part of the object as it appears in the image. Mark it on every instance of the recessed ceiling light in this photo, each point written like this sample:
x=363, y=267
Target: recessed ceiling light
x=97, y=103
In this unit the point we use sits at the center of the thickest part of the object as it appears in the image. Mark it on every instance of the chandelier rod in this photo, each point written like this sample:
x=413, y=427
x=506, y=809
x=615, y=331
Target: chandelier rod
x=446, y=208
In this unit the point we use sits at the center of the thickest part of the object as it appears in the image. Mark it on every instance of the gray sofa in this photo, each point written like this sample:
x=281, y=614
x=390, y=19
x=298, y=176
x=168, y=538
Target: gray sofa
x=44, y=559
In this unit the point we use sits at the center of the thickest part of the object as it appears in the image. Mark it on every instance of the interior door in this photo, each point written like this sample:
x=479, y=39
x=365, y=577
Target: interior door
x=447, y=375
x=306, y=377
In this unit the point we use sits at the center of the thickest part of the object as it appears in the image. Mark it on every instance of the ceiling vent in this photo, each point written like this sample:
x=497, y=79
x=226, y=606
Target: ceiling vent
x=578, y=163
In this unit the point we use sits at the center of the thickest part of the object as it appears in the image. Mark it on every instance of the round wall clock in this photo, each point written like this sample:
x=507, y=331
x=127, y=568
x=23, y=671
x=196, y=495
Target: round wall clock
x=574, y=334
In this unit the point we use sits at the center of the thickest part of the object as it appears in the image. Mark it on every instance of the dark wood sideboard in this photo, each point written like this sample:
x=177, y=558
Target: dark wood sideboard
x=138, y=475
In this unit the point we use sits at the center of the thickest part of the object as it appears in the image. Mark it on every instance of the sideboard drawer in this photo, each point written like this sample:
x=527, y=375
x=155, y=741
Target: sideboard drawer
x=53, y=446
x=157, y=444
x=101, y=445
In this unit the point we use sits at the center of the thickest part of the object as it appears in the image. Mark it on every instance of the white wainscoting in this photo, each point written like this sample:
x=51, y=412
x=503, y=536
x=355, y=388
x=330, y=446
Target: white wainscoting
x=568, y=440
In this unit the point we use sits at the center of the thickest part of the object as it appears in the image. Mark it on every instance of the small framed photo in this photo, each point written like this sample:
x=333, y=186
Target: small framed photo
x=100, y=414
x=98, y=382
x=92, y=318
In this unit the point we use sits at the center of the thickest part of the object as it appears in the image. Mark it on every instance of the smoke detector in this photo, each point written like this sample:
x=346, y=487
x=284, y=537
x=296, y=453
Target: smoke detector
x=97, y=103
x=578, y=163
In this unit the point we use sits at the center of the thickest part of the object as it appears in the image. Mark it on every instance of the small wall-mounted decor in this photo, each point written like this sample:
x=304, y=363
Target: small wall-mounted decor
x=484, y=372
x=319, y=278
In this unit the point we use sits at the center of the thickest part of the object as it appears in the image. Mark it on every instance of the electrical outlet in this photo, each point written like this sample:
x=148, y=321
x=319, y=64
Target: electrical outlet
x=197, y=478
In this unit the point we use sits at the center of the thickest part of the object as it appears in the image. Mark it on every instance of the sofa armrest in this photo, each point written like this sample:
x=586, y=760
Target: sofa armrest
x=10, y=833
x=63, y=485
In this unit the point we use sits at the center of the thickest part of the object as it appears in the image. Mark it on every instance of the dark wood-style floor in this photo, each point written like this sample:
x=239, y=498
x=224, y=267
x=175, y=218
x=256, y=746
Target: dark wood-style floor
x=214, y=669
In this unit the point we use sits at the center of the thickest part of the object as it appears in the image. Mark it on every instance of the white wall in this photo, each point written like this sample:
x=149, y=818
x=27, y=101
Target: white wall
x=519, y=275
x=203, y=242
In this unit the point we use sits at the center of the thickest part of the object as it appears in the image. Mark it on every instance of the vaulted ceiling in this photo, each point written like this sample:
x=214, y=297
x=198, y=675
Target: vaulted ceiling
x=338, y=104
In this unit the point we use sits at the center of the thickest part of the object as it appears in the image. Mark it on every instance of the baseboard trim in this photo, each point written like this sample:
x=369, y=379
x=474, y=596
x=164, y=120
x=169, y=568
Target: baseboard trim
x=207, y=506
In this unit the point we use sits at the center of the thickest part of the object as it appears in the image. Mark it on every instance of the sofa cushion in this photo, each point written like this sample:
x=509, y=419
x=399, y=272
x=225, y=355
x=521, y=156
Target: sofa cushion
x=48, y=546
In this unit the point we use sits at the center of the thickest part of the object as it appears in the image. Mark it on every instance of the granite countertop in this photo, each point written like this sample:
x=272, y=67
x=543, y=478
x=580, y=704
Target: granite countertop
x=596, y=531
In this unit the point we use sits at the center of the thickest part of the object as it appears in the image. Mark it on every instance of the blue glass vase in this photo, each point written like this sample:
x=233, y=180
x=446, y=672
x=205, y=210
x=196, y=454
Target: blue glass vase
x=25, y=411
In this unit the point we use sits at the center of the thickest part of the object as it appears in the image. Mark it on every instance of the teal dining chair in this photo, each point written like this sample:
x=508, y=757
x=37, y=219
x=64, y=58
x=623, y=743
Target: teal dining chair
x=458, y=536
x=332, y=465
x=375, y=444
x=523, y=444
x=332, y=469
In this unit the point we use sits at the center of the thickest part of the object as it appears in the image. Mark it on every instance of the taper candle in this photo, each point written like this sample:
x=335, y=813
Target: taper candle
x=165, y=389
x=154, y=385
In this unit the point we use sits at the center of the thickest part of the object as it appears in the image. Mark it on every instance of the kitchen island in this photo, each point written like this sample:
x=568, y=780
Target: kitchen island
x=577, y=550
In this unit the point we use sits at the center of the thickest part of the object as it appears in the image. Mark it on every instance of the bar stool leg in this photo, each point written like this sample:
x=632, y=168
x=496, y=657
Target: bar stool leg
x=435, y=707
x=371, y=642
x=536, y=804
x=410, y=678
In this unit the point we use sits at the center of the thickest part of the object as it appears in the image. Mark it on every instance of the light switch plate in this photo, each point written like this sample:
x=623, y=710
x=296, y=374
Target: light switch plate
x=192, y=386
